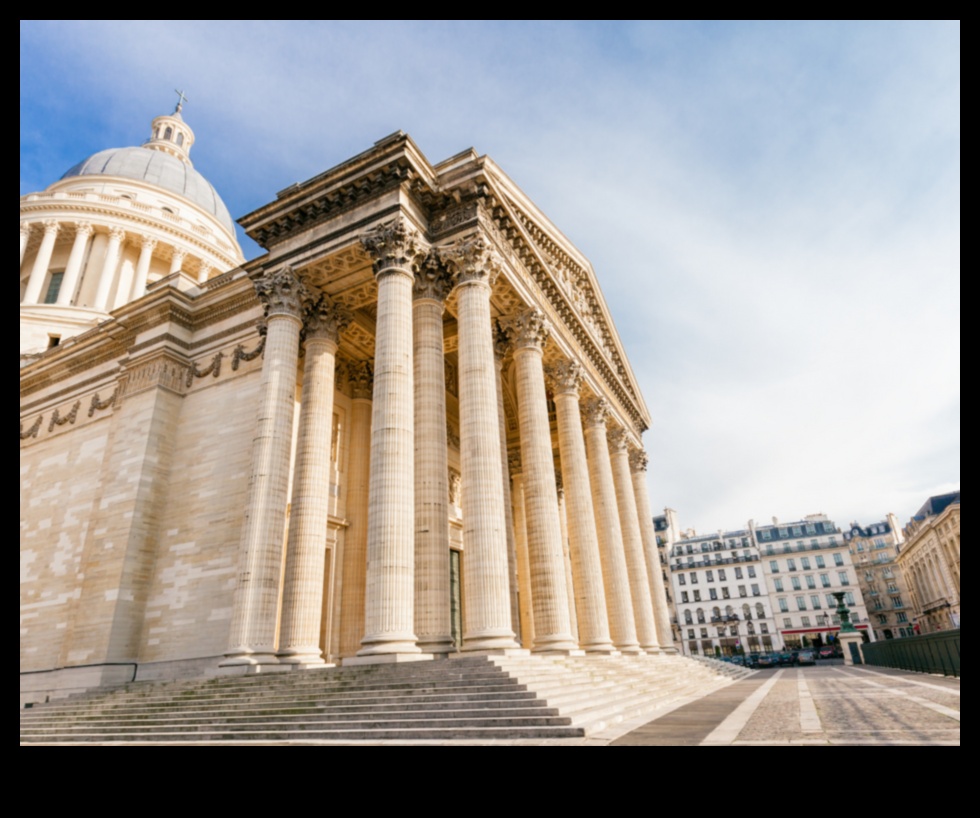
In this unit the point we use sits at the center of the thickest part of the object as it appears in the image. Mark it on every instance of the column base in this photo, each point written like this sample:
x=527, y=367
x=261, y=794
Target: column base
x=671, y=651
x=605, y=648
x=490, y=641
x=439, y=646
x=491, y=652
x=631, y=650
x=386, y=658
x=561, y=643
x=558, y=652
x=248, y=658
x=305, y=658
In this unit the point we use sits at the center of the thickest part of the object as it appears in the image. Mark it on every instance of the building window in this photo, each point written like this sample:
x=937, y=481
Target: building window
x=760, y=612
x=697, y=596
x=774, y=566
x=704, y=633
x=180, y=139
x=806, y=621
x=700, y=615
x=741, y=590
x=54, y=287
x=797, y=531
x=709, y=576
x=796, y=583
x=751, y=572
x=765, y=534
x=800, y=603
x=897, y=602
x=738, y=573
x=810, y=582
x=882, y=619
x=690, y=633
x=787, y=622
x=681, y=579
x=763, y=627
x=712, y=593
x=815, y=602
x=849, y=598
x=755, y=590
x=168, y=133
x=825, y=580
x=721, y=574
x=805, y=563
x=838, y=559
x=831, y=602
x=694, y=578
x=842, y=576
x=902, y=617
x=790, y=565
x=783, y=604
x=725, y=594
x=821, y=563
x=778, y=584
x=684, y=596
x=688, y=619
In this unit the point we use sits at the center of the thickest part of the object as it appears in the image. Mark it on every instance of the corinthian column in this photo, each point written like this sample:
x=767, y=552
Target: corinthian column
x=432, y=597
x=109, y=264
x=356, y=510
x=25, y=234
x=252, y=638
x=302, y=593
x=525, y=613
x=638, y=468
x=528, y=332
x=487, y=623
x=143, y=267
x=500, y=347
x=389, y=609
x=41, y=262
x=646, y=628
x=590, y=597
x=83, y=232
x=615, y=576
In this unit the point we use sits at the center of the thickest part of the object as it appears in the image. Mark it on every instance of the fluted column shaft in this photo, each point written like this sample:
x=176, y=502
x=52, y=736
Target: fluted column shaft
x=356, y=510
x=500, y=347
x=41, y=263
x=646, y=628
x=552, y=628
x=486, y=583
x=25, y=235
x=567, y=560
x=389, y=609
x=177, y=260
x=302, y=596
x=73, y=269
x=252, y=638
x=638, y=467
x=433, y=624
x=615, y=576
x=525, y=609
x=109, y=264
x=143, y=268
x=590, y=595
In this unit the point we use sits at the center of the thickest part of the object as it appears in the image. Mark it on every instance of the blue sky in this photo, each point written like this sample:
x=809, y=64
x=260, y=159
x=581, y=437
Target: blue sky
x=772, y=209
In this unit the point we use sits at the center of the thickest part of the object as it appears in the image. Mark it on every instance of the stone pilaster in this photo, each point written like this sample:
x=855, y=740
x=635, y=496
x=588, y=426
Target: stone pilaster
x=528, y=332
x=41, y=262
x=500, y=347
x=356, y=510
x=302, y=594
x=73, y=269
x=646, y=628
x=525, y=609
x=252, y=638
x=389, y=611
x=589, y=593
x=487, y=623
x=615, y=576
x=638, y=468
x=433, y=624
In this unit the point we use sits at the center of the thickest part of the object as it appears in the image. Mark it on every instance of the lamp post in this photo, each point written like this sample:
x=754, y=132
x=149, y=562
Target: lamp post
x=849, y=636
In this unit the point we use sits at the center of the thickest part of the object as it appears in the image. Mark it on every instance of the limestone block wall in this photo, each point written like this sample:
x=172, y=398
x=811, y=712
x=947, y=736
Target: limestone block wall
x=59, y=488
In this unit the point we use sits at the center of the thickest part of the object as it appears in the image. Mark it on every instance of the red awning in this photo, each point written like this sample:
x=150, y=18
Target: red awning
x=828, y=629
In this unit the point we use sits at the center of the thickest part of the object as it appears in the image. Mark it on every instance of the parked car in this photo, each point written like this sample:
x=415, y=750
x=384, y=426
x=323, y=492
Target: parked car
x=826, y=653
x=767, y=660
x=752, y=660
x=738, y=660
x=805, y=657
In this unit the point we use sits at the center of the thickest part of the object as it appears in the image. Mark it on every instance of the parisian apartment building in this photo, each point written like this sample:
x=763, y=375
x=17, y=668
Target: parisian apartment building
x=763, y=588
x=874, y=551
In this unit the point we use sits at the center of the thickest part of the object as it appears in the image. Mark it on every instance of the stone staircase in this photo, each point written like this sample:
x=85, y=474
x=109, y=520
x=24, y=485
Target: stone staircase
x=471, y=698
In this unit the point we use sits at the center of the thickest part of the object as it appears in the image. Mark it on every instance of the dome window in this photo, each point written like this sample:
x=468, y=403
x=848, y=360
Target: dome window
x=168, y=133
x=54, y=287
x=180, y=139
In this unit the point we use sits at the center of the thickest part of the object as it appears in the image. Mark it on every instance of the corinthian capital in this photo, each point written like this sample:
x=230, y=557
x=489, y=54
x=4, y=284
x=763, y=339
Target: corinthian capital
x=638, y=460
x=51, y=226
x=325, y=319
x=471, y=259
x=527, y=329
x=432, y=279
x=618, y=440
x=83, y=228
x=282, y=293
x=564, y=377
x=361, y=379
x=395, y=245
x=594, y=412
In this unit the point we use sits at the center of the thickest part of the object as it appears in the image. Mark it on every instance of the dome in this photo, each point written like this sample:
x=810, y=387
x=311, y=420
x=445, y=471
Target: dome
x=157, y=168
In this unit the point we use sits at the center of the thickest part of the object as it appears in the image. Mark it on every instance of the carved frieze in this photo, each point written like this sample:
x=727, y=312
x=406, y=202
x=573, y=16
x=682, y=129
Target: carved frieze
x=98, y=405
x=58, y=420
x=163, y=372
x=32, y=430
x=213, y=369
x=282, y=292
x=239, y=354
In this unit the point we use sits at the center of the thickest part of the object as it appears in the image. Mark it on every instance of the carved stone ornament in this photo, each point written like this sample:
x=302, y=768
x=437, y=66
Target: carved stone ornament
x=85, y=229
x=395, y=245
x=500, y=342
x=594, y=412
x=638, y=460
x=58, y=420
x=239, y=354
x=282, y=292
x=325, y=319
x=32, y=430
x=565, y=377
x=432, y=279
x=527, y=329
x=618, y=440
x=452, y=436
x=361, y=379
x=559, y=484
x=514, y=461
x=98, y=405
x=213, y=369
x=471, y=259
x=455, y=479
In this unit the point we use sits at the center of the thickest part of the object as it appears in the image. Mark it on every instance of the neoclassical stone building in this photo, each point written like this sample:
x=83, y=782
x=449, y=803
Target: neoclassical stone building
x=409, y=429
